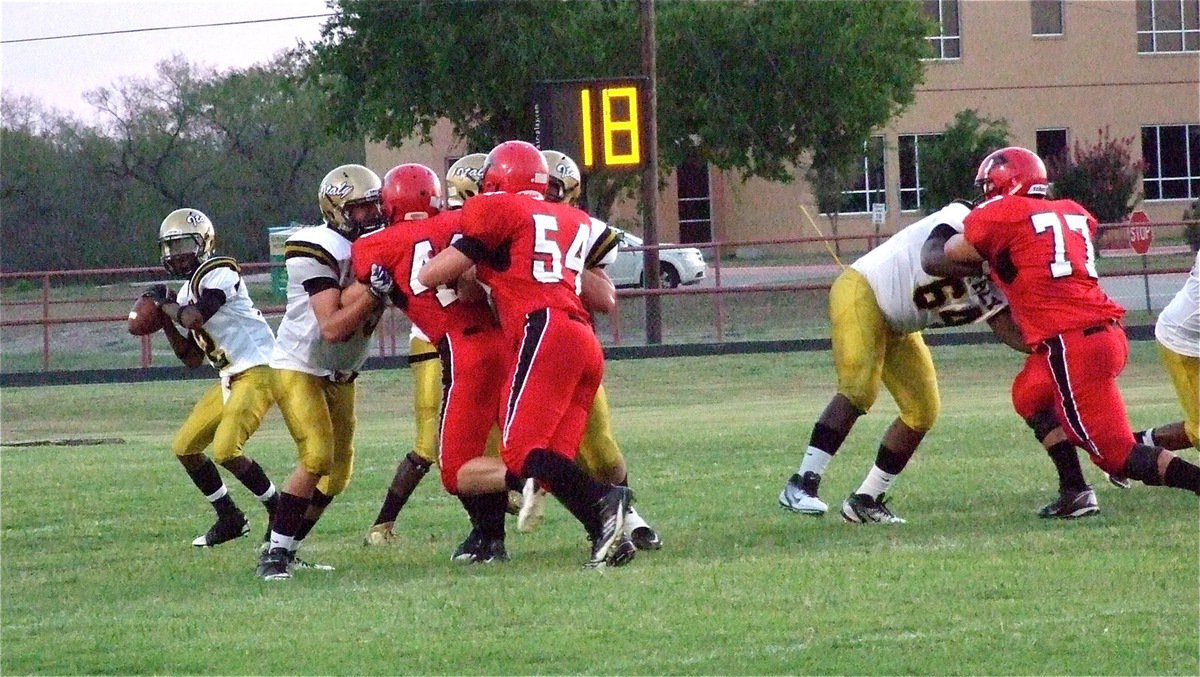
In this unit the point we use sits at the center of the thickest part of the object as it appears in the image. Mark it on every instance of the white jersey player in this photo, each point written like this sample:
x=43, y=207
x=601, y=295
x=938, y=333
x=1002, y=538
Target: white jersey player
x=322, y=343
x=912, y=299
x=236, y=337
x=1178, y=334
x=224, y=327
x=878, y=307
x=317, y=256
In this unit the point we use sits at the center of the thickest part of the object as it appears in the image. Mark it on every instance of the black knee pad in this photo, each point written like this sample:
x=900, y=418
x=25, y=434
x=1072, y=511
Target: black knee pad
x=1142, y=465
x=1043, y=423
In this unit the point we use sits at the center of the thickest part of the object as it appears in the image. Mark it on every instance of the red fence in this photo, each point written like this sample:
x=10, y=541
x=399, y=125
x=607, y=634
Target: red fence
x=49, y=311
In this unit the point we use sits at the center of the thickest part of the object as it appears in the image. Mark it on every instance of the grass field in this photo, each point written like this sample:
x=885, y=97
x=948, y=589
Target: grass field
x=98, y=576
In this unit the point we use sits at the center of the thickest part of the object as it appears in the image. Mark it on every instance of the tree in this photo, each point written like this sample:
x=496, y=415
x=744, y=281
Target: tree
x=247, y=147
x=1102, y=177
x=745, y=86
x=950, y=161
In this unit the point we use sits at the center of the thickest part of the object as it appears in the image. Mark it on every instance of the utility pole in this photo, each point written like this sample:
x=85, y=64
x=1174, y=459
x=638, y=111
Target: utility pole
x=649, y=47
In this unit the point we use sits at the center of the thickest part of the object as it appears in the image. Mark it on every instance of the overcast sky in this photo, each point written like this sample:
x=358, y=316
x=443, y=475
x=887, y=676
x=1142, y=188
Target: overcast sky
x=59, y=71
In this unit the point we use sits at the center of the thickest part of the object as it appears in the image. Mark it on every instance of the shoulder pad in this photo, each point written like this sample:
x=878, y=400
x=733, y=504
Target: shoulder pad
x=209, y=266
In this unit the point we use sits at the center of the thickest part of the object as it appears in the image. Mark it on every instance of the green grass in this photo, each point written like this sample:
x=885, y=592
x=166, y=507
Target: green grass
x=98, y=576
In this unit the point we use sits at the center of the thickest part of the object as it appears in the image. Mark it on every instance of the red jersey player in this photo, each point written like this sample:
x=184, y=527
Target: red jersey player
x=531, y=252
x=469, y=342
x=1041, y=255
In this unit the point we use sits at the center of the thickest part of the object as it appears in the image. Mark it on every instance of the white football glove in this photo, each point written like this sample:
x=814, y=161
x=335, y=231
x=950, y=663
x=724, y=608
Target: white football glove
x=382, y=284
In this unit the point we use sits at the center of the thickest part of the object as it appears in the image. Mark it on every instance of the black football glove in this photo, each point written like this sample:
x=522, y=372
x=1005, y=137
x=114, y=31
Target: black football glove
x=160, y=294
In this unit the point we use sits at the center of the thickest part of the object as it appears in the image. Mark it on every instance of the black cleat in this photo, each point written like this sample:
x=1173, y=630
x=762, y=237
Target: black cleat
x=226, y=528
x=611, y=513
x=862, y=509
x=491, y=551
x=1119, y=481
x=625, y=552
x=273, y=565
x=476, y=549
x=645, y=538
x=1072, y=504
x=470, y=549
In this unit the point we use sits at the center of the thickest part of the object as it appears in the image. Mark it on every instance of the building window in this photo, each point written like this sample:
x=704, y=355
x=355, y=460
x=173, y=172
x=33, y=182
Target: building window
x=912, y=169
x=869, y=187
x=695, y=207
x=1172, y=157
x=1046, y=16
x=946, y=41
x=1168, y=26
x=1052, y=143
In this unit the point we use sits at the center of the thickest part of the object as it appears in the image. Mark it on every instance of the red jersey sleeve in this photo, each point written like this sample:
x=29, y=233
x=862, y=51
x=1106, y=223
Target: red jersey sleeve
x=985, y=228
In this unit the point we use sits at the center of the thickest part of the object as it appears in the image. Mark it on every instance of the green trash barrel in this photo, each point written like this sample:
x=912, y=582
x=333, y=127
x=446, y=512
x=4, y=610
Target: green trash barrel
x=277, y=236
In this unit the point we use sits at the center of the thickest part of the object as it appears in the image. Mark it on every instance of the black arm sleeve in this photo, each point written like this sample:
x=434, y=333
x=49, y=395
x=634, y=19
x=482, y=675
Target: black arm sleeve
x=317, y=285
x=933, y=255
x=472, y=248
x=210, y=302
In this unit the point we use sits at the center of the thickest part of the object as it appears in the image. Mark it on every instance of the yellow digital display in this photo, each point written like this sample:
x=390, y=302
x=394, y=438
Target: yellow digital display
x=596, y=122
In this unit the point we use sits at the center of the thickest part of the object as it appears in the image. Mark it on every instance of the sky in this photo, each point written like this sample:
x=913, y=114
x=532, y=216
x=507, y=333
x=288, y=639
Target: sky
x=59, y=71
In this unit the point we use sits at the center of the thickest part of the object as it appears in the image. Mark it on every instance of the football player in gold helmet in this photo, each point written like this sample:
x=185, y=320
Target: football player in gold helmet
x=599, y=454
x=322, y=344
x=223, y=326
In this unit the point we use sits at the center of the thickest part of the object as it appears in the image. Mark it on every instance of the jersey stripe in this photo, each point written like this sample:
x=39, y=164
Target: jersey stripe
x=209, y=266
x=603, y=246
x=312, y=251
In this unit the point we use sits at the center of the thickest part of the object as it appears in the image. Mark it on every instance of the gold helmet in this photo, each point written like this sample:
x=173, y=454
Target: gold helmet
x=342, y=192
x=187, y=239
x=566, y=183
x=463, y=179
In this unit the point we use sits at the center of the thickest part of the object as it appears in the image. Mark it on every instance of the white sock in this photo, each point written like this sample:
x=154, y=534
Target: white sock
x=218, y=494
x=268, y=494
x=1148, y=437
x=815, y=461
x=876, y=482
x=278, y=540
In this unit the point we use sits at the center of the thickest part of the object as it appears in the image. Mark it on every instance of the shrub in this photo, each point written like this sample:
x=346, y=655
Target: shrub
x=950, y=161
x=1191, y=231
x=1103, y=177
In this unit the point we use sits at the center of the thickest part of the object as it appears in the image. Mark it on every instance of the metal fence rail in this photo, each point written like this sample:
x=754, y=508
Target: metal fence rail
x=746, y=298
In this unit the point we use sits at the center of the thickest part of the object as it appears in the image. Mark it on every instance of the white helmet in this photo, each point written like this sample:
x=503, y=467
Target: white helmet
x=463, y=179
x=187, y=239
x=566, y=182
x=342, y=190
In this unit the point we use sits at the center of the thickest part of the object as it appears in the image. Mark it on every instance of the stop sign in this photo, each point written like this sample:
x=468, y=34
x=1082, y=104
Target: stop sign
x=1140, y=233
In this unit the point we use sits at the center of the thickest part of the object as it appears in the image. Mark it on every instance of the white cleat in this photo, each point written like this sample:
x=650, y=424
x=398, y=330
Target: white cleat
x=800, y=495
x=533, y=507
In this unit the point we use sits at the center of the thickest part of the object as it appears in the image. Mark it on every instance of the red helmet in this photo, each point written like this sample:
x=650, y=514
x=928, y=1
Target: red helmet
x=1011, y=171
x=410, y=192
x=516, y=167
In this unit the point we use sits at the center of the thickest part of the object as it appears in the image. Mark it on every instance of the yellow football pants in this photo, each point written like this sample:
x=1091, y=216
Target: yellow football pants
x=867, y=353
x=320, y=416
x=226, y=420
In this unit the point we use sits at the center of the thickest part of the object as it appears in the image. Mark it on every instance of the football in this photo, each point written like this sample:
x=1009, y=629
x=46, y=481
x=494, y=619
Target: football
x=145, y=317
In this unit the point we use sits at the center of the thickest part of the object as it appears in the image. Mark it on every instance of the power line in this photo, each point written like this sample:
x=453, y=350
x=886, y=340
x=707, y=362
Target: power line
x=163, y=28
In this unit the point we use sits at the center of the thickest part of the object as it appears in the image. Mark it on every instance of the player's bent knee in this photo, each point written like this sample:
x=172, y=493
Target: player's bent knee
x=1042, y=423
x=335, y=483
x=1142, y=465
x=921, y=421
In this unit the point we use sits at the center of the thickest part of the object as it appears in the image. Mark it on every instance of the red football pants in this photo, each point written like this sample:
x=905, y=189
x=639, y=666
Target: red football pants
x=551, y=385
x=474, y=365
x=1075, y=374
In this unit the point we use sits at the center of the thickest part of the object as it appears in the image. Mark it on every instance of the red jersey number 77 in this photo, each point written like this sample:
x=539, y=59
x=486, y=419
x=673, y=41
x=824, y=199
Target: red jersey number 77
x=1075, y=223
